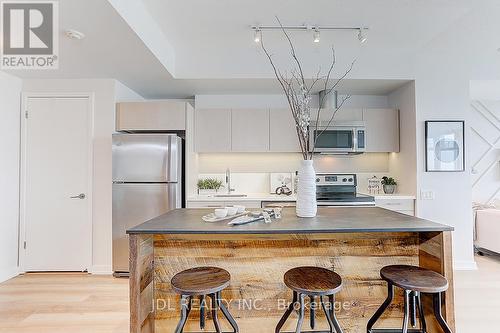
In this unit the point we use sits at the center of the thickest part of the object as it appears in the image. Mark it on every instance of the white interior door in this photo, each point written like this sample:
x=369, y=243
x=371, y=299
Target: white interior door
x=56, y=184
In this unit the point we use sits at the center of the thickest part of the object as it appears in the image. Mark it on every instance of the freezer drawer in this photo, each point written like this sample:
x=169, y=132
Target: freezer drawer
x=134, y=204
x=147, y=158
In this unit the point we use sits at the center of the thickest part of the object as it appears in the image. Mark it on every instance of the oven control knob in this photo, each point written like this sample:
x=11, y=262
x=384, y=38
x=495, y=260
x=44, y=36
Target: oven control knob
x=317, y=180
x=350, y=179
x=344, y=180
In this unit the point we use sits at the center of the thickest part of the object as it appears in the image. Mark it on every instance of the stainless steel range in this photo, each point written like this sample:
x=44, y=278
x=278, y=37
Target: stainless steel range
x=333, y=189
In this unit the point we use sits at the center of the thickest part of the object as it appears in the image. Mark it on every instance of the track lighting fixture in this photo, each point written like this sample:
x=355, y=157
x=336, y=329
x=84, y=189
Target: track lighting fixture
x=361, y=35
x=316, y=30
x=257, y=35
x=316, y=35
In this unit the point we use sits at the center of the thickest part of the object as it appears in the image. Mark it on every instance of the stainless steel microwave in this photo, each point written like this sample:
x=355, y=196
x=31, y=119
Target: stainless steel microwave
x=343, y=139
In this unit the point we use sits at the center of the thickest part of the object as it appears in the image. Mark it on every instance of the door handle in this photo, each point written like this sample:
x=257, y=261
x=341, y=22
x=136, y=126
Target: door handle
x=79, y=196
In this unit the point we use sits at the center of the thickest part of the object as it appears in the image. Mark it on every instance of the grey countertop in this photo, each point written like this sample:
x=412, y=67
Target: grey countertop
x=328, y=220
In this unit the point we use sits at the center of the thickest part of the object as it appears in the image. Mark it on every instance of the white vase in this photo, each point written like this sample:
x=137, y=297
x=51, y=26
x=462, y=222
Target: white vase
x=306, y=190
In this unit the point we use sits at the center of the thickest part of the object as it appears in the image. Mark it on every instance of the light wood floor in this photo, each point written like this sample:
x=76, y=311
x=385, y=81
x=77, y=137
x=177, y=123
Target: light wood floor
x=79, y=303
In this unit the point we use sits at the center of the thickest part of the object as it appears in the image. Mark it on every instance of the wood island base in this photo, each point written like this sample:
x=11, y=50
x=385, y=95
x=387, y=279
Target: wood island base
x=257, y=295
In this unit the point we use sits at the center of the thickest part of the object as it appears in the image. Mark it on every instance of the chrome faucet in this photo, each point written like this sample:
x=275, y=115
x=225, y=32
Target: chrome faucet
x=228, y=181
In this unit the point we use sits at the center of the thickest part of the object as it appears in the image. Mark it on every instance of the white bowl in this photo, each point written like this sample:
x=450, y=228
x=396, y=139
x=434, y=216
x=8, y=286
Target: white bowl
x=240, y=208
x=231, y=210
x=220, y=212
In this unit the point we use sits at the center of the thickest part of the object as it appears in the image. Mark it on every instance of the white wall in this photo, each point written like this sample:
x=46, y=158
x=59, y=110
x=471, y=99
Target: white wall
x=10, y=97
x=403, y=165
x=104, y=91
x=484, y=150
x=467, y=50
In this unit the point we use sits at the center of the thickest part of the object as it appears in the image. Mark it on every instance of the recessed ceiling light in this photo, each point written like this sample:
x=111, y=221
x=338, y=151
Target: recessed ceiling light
x=361, y=35
x=316, y=35
x=257, y=36
x=74, y=34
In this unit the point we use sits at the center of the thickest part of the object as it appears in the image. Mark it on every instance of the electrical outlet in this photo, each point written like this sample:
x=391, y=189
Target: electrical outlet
x=427, y=195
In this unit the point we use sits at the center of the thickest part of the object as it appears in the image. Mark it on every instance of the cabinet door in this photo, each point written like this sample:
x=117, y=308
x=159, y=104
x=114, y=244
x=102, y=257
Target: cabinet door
x=212, y=130
x=250, y=130
x=282, y=136
x=382, y=130
x=151, y=116
x=342, y=115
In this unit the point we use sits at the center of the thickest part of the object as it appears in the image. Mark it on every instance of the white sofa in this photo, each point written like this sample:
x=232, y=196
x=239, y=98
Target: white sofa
x=488, y=230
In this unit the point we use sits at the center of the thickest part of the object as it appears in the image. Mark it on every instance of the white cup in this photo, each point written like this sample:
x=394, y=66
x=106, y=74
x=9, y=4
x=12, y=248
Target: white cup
x=220, y=212
x=231, y=210
x=240, y=208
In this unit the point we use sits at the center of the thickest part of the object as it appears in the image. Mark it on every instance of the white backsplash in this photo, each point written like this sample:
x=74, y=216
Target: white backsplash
x=250, y=171
x=259, y=182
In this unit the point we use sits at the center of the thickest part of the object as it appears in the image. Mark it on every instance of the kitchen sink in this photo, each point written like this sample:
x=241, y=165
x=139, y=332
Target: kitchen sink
x=230, y=195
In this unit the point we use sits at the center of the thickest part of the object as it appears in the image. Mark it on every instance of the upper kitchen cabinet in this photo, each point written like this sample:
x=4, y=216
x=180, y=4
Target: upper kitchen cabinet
x=249, y=130
x=151, y=116
x=382, y=130
x=212, y=130
x=282, y=135
x=343, y=115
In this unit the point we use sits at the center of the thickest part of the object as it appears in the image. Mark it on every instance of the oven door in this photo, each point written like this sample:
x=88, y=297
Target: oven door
x=333, y=140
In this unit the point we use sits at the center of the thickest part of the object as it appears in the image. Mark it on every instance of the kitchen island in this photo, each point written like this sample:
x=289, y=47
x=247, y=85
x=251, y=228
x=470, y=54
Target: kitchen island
x=355, y=242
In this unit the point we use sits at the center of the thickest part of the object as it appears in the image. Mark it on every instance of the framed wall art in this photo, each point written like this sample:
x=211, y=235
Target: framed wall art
x=445, y=146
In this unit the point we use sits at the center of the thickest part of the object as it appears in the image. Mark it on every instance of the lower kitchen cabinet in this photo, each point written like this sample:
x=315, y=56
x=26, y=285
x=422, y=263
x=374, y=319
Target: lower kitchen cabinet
x=404, y=206
x=220, y=204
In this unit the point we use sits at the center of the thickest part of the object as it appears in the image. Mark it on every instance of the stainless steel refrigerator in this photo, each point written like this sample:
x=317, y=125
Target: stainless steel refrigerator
x=147, y=182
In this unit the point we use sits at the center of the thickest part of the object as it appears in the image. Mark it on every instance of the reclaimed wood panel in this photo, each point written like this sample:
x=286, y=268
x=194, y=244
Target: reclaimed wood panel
x=435, y=253
x=141, y=262
x=257, y=264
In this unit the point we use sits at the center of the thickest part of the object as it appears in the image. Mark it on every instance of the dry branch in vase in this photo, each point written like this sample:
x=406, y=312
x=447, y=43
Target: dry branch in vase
x=299, y=92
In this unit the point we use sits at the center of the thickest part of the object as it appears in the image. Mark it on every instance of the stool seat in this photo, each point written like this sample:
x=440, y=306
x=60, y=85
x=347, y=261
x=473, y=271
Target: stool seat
x=311, y=280
x=201, y=281
x=414, y=278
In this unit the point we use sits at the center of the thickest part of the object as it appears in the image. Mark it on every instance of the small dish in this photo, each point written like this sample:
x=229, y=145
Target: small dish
x=231, y=210
x=221, y=212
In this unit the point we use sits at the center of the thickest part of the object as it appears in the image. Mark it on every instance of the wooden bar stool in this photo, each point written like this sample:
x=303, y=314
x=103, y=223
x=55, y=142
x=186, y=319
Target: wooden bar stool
x=202, y=282
x=312, y=282
x=414, y=281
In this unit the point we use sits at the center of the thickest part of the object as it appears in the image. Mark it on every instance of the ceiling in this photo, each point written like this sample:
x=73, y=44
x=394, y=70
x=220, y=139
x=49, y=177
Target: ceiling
x=214, y=51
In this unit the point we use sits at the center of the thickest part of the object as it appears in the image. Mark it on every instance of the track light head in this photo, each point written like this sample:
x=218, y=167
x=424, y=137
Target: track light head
x=361, y=35
x=257, y=35
x=316, y=35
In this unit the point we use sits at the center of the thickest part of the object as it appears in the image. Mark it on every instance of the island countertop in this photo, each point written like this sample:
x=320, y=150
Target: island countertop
x=328, y=220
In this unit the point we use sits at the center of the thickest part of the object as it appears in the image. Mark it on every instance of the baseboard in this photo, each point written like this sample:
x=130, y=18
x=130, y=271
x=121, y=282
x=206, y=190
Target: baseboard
x=9, y=273
x=464, y=265
x=101, y=270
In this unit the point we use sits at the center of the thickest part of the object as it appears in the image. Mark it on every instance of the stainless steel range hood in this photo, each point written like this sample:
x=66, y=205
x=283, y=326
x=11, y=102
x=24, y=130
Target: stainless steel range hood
x=330, y=100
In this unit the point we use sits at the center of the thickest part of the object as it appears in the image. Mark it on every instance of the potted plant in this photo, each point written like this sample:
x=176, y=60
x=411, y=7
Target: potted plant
x=389, y=185
x=299, y=93
x=209, y=186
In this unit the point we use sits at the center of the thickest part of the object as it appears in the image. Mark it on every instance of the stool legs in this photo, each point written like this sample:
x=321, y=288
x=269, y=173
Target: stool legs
x=203, y=305
x=438, y=314
x=423, y=325
x=330, y=314
x=313, y=310
x=287, y=313
x=381, y=310
x=226, y=314
x=406, y=310
x=214, y=312
x=216, y=304
x=413, y=309
x=185, y=309
x=301, y=313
